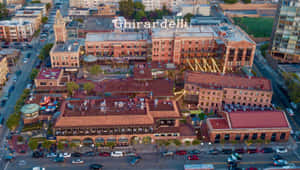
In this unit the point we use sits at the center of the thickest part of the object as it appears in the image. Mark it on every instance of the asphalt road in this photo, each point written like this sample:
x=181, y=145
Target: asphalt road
x=149, y=161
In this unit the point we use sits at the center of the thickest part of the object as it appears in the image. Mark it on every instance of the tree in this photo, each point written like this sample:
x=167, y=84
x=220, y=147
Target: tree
x=139, y=15
x=95, y=70
x=46, y=144
x=196, y=142
x=177, y=142
x=187, y=143
x=111, y=144
x=13, y=121
x=188, y=17
x=73, y=145
x=44, y=20
x=34, y=73
x=33, y=144
x=71, y=87
x=139, y=6
x=88, y=87
x=126, y=8
x=3, y=11
x=167, y=143
x=48, y=6
x=230, y=1
x=35, y=2
x=60, y=146
x=79, y=20
x=247, y=1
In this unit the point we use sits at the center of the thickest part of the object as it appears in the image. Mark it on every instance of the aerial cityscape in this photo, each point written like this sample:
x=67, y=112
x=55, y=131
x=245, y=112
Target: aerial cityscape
x=150, y=84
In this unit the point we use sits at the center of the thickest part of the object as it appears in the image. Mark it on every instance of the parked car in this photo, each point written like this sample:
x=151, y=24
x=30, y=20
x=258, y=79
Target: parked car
x=194, y=151
x=281, y=150
x=213, y=152
x=236, y=156
x=226, y=151
x=130, y=154
x=105, y=154
x=37, y=154
x=117, y=154
x=181, y=152
x=65, y=155
x=251, y=168
x=193, y=157
x=91, y=153
x=276, y=157
x=59, y=159
x=77, y=161
x=51, y=155
x=76, y=154
x=135, y=160
x=96, y=167
x=290, y=111
x=266, y=150
x=168, y=153
x=251, y=151
x=239, y=150
x=280, y=162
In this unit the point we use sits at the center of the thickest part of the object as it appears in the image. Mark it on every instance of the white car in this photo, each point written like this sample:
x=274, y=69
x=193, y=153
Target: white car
x=281, y=150
x=117, y=154
x=51, y=155
x=65, y=155
x=77, y=161
x=290, y=111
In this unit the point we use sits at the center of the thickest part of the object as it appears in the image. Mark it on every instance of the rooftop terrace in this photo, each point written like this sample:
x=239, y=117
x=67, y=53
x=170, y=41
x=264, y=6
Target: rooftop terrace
x=68, y=46
x=50, y=73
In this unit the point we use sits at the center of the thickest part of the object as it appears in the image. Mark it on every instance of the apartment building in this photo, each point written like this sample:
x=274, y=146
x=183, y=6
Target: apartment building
x=286, y=38
x=151, y=5
x=3, y=70
x=91, y=3
x=9, y=2
x=34, y=16
x=211, y=91
x=228, y=44
x=16, y=31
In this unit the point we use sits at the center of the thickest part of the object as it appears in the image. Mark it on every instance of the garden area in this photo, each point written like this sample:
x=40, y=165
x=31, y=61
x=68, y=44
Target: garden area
x=256, y=27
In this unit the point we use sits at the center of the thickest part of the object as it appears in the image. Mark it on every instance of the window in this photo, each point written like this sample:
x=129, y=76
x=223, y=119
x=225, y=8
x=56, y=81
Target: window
x=227, y=137
x=246, y=136
x=43, y=83
x=282, y=136
x=237, y=137
x=263, y=136
x=273, y=138
x=254, y=136
x=218, y=136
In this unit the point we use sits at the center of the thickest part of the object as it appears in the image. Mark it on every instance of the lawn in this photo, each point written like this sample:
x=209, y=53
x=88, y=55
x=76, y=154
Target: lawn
x=258, y=27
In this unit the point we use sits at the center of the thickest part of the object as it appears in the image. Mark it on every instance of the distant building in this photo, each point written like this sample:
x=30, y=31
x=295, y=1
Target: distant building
x=121, y=121
x=115, y=45
x=151, y=5
x=249, y=125
x=59, y=27
x=228, y=44
x=16, y=31
x=35, y=16
x=3, y=70
x=9, y=2
x=65, y=55
x=198, y=9
x=107, y=10
x=211, y=91
x=38, y=7
x=11, y=55
x=91, y=3
x=285, y=36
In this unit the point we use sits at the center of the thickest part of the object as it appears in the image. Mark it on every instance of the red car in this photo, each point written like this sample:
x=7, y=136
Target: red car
x=239, y=150
x=105, y=154
x=252, y=151
x=251, y=168
x=181, y=152
x=193, y=157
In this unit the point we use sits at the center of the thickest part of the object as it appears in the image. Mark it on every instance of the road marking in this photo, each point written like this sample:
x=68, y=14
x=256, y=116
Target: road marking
x=6, y=166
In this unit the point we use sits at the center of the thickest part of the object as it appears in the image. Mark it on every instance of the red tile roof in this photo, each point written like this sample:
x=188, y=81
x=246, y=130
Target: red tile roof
x=218, y=123
x=258, y=119
x=216, y=80
x=49, y=73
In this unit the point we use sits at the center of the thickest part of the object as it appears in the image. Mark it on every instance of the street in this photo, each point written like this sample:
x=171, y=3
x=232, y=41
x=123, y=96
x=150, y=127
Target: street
x=150, y=161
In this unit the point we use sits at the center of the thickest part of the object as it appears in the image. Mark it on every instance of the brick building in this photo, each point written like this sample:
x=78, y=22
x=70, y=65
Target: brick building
x=121, y=121
x=16, y=31
x=65, y=55
x=211, y=91
x=250, y=125
x=116, y=45
x=228, y=44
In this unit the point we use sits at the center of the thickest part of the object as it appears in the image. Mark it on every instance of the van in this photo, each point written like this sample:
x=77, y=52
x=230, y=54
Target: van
x=117, y=154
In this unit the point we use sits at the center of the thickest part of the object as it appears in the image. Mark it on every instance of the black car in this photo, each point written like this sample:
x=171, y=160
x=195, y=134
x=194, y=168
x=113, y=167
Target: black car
x=277, y=157
x=267, y=150
x=76, y=154
x=90, y=153
x=194, y=151
x=96, y=167
x=213, y=152
x=37, y=154
x=227, y=151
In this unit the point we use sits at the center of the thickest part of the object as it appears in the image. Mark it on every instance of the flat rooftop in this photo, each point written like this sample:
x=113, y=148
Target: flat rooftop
x=115, y=36
x=49, y=73
x=68, y=46
x=98, y=24
x=14, y=22
x=219, y=81
x=27, y=12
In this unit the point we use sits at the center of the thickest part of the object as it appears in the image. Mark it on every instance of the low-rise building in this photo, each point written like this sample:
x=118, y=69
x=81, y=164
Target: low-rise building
x=249, y=10
x=16, y=30
x=11, y=55
x=34, y=16
x=37, y=7
x=65, y=55
x=115, y=45
x=211, y=91
x=249, y=125
x=121, y=121
x=198, y=9
x=107, y=10
x=3, y=70
x=9, y=2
